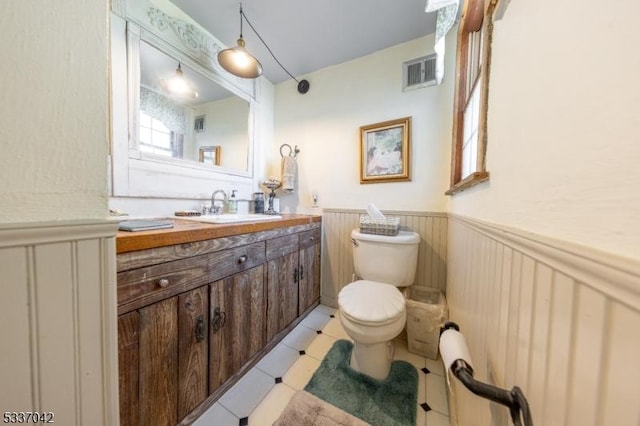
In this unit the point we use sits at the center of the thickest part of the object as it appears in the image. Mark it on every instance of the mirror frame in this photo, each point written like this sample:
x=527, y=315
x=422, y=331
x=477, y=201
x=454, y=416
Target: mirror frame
x=137, y=174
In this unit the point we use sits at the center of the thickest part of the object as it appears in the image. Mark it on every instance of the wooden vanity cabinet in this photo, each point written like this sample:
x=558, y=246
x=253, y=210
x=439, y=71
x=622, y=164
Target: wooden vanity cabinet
x=308, y=269
x=163, y=359
x=202, y=313
x=282, y=283
x=238, y=307
x=293, y=282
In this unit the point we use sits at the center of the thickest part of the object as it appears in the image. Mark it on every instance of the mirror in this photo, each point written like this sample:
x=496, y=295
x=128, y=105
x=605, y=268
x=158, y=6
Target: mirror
x=210, y=130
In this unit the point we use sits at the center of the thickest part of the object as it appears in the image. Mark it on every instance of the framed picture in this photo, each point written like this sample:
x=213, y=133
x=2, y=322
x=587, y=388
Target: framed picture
x=385, y=150
x=209, y=155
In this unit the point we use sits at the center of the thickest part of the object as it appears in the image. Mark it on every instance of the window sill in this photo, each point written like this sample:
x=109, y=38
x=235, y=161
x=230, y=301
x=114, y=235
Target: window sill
x=468, y=182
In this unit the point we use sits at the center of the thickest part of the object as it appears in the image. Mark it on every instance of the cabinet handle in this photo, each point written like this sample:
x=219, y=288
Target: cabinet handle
x=163, y=282
x=242, y=259
x=301, y=272
x=218, y=319
x=200, y=328
x=295, y=275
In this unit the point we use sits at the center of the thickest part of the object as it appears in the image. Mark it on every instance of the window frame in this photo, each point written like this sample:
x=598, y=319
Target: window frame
x=477, y=15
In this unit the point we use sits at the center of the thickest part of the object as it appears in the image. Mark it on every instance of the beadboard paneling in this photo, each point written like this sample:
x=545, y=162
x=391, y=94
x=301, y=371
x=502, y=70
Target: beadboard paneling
x=337, y=254
x=559, y=320
x=58, y=310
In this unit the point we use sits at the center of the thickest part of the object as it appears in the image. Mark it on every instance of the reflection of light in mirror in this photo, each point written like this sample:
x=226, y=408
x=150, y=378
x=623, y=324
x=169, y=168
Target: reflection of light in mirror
x=178, y=86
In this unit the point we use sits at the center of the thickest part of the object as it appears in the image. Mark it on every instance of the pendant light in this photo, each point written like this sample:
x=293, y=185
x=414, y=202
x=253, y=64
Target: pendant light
x=178, y=87
x=239, y=62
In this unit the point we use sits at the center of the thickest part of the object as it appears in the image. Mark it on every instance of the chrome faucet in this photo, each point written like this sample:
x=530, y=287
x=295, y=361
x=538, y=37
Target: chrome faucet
x=216, y=209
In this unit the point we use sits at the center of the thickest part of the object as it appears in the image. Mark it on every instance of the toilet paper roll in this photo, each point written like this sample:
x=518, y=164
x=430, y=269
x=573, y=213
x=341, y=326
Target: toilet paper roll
x=453, y=347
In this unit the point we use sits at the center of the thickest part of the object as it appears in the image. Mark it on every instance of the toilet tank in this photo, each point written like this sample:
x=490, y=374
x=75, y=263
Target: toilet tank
x=387, y=259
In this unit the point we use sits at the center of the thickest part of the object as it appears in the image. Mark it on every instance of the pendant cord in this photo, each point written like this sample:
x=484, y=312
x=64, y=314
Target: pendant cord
x=263, y=42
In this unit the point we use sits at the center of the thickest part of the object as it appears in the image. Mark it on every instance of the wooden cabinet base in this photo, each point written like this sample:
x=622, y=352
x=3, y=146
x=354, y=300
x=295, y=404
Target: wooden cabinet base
x=194, y=318
x=206, y=404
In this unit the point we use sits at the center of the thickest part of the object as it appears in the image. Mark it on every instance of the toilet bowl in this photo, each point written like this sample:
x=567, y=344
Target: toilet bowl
x=372, y=309
x=372, y=314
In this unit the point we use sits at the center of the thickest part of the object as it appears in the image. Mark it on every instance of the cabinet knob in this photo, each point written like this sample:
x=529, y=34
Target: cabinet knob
x=312, y=238
x=242, y=259
x=163, y=282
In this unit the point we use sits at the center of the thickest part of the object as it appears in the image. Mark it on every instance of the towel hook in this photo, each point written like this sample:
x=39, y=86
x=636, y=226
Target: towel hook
x=293, y=151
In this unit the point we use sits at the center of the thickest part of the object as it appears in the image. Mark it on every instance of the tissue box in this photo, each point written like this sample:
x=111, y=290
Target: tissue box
x=387, y=226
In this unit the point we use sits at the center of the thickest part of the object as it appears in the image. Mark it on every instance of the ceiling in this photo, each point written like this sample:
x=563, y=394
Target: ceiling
x=307, y=35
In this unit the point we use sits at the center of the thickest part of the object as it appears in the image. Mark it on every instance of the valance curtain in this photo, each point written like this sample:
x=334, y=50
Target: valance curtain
x=447, y=12
x=161, y=108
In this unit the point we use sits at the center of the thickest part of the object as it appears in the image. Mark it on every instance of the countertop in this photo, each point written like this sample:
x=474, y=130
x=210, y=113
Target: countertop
x=187, y=231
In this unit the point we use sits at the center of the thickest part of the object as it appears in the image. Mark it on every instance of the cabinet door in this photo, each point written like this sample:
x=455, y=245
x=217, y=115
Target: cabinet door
x=237, y=330
x=309, y=277
x=162, y=357
x=282, y=293
x=193, y=349
x=159, y=363
x=128, y=361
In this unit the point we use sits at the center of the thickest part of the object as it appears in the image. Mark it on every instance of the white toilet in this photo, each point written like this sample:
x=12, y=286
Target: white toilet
x=372, y=309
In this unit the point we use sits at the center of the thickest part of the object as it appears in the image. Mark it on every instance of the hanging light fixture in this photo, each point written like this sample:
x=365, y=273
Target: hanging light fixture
x=239, y=62
x=177, y=86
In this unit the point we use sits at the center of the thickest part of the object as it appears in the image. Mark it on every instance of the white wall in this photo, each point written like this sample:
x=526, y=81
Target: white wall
x=225, y=126
x=325, y=123
x=54, y=110
x=564, y=121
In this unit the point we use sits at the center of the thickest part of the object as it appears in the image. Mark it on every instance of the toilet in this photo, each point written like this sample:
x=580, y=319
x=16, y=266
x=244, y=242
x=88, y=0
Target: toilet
x=372, y=309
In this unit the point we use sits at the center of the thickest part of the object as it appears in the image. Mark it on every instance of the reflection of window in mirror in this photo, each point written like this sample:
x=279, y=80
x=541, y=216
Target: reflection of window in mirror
x=210, y=155
x=155, y=137
x=199, y=123
x=162, y=125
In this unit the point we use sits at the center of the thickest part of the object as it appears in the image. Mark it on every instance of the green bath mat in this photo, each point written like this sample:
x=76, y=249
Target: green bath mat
x=389, y=402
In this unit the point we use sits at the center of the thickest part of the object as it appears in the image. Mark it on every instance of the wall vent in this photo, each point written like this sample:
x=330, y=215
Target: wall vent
x=420, y=72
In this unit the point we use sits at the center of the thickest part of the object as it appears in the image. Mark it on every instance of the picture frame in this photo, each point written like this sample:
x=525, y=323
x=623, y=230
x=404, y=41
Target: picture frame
x=385, y=151
x=209, y=155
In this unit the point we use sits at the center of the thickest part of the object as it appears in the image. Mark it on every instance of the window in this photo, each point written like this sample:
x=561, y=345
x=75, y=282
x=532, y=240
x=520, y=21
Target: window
x=470, y=102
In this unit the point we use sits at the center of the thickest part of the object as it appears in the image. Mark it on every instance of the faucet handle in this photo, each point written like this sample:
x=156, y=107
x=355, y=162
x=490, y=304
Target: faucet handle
x=216, y=209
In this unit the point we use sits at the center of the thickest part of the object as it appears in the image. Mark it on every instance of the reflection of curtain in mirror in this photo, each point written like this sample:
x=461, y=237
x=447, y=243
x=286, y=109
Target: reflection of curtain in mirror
x=170, y=113
x=447, y=13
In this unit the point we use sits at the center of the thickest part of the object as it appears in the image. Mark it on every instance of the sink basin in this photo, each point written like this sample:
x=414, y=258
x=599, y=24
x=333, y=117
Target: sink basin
x=230, y=218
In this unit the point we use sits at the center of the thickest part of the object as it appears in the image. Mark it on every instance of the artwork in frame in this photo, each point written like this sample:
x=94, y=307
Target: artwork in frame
x=385, y=151
x=210, y=155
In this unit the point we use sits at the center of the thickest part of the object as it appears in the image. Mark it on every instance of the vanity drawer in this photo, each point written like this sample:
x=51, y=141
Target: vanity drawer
x=309, y=238
x=229, y=262
x=278, y=247
x=143, y=286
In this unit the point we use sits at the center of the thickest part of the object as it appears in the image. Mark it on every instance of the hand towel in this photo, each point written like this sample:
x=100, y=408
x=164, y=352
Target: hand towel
x=289, y=170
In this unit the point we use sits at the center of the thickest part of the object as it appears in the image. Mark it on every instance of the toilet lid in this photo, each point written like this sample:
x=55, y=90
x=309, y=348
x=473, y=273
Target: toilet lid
x=368, y=302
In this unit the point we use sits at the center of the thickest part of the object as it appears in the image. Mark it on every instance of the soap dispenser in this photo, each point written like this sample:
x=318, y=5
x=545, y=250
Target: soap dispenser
x=232, y=204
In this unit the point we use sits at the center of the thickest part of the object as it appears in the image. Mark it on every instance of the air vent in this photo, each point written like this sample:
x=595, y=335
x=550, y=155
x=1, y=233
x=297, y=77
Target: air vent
x=420, y=72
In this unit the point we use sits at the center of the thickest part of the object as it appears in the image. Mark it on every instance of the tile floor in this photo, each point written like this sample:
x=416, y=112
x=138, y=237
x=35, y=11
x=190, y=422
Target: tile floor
x=259, y=397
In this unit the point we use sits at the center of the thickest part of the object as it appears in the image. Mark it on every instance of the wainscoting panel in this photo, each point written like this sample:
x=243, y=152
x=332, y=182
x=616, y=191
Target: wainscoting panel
x=337, y=256
x=58, y=310
x=559, y=320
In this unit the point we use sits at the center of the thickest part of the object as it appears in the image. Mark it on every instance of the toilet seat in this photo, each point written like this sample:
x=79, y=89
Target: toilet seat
x=371, y=303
